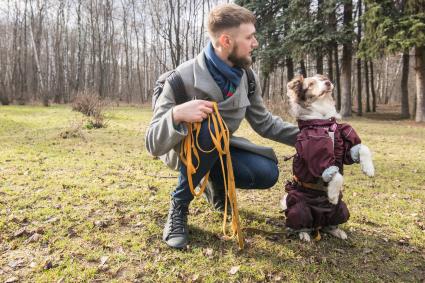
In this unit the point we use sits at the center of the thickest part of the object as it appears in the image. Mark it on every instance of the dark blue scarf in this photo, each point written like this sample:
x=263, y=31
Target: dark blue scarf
x=226, y=77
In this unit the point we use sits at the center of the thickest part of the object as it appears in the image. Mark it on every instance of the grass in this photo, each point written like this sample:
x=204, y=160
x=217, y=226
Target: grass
x=98, y=202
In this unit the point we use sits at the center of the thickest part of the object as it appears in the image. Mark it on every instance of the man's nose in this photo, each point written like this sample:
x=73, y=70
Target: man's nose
x=255, y=45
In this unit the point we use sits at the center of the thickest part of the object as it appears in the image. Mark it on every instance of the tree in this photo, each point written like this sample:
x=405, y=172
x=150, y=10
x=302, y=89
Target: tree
x=359, y=64
x=398, y=26
x=347, y=53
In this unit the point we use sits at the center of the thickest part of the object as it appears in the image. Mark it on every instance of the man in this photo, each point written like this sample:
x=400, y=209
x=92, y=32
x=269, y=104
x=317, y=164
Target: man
x=217, y=74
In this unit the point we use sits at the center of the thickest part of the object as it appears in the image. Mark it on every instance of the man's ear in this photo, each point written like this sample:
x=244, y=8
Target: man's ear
x=225, y=40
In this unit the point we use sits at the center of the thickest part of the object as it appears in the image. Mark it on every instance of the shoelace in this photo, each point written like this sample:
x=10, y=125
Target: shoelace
x=178, y=217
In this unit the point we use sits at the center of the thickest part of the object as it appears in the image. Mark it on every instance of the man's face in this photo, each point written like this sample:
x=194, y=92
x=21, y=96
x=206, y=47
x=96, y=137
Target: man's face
x=244, y=42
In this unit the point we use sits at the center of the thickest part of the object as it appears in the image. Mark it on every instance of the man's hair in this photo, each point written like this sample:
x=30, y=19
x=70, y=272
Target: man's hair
x=227, y=16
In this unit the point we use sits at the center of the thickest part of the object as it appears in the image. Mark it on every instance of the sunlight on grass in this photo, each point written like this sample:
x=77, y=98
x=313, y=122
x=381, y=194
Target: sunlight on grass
x=101, y=197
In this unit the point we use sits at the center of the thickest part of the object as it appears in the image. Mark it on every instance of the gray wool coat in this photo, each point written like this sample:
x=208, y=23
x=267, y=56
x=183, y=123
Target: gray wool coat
x=163, y=139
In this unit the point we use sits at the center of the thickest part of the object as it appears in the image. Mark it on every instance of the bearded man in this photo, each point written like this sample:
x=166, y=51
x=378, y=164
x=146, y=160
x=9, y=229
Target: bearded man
x=217, y=74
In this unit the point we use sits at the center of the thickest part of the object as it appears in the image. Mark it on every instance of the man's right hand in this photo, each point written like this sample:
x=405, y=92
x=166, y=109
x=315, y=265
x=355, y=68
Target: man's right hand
x=192, y=111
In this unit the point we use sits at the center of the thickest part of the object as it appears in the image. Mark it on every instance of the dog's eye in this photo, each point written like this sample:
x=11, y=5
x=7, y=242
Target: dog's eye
x=311, y=84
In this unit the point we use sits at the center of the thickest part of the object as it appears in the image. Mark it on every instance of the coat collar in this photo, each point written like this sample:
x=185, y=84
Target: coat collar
x=316, y=123
x=204, y=82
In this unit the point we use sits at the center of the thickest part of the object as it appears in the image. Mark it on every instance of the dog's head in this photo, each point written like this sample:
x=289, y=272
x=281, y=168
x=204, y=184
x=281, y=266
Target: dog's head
x=311, y=97
x=306, y=91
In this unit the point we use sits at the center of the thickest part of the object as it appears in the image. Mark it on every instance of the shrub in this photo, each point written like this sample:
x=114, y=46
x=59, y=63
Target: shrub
x=280, y=107
x=91, y=105
x=75, y=130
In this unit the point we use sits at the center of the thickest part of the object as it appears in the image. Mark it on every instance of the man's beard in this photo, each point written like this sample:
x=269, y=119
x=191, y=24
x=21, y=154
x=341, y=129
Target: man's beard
x=241, y=62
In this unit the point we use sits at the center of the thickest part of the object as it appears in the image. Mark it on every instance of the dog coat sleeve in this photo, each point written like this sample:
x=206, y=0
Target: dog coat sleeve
x=350, y=139
x=316, y=151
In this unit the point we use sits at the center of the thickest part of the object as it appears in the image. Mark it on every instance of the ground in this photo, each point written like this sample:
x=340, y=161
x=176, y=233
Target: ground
x=88, y=205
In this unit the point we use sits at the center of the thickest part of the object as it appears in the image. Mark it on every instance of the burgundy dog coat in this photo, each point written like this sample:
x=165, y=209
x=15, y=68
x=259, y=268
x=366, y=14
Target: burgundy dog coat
x=320, y=144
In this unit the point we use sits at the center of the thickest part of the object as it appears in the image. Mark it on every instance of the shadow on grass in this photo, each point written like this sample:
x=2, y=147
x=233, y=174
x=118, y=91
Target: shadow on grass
x=363, y=257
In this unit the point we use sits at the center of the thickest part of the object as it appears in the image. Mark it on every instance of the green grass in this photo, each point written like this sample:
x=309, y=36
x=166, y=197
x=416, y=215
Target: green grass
x=101, y=195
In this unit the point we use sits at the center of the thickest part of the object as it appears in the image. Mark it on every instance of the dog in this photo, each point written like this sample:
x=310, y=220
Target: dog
x=313, y=199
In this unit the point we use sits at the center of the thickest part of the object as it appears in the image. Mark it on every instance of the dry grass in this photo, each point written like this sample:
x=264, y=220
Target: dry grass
x=74, y=210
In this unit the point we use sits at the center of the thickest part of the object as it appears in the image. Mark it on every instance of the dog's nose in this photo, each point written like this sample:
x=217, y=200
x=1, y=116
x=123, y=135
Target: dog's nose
x=327, y=83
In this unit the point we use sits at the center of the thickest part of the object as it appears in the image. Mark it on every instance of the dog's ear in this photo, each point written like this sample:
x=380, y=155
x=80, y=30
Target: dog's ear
x=295, y=86
x=295, y=82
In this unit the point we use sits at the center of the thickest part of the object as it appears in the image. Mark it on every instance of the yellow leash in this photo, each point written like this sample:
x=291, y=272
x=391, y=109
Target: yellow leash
x=221, y=140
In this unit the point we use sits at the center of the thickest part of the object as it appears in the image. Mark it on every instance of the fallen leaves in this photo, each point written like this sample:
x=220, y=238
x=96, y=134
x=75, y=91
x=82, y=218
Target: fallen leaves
x=12, y=279
x=16, y=264
x=102, y=265
x=420, y=224
x=208, y=252
x=47, y=264
x=33, y=235
x=234, y=269
x=34, y=238
x=71, y=233
x=102, y=223
x=21, y=232
x=52, y=219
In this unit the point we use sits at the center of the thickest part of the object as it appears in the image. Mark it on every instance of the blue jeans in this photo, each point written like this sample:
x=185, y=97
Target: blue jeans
x=252, y=171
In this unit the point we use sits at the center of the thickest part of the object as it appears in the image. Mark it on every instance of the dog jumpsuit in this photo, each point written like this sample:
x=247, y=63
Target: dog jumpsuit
x=320, y=144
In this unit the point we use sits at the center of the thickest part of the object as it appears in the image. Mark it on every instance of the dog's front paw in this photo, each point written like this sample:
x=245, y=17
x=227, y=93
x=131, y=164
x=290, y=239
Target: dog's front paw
x=338, y=233
x=335, y=187
x=368, y=168
x=304, y=236
x=366, y=161
x=333, y=200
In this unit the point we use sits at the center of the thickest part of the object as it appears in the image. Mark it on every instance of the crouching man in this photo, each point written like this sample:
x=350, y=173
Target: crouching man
x=218, y=73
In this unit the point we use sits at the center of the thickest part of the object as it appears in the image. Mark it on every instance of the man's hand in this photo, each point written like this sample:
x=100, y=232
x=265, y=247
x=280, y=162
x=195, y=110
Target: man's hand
x=192, y=111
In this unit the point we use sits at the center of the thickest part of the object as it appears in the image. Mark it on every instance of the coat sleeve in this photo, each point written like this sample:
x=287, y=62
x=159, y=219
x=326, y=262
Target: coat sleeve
x=267, y=125
x=316, y=149
x=162, y=135
x=351, y=139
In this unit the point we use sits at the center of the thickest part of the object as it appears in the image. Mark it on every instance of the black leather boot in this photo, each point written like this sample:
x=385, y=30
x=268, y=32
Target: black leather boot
x=215, y=195
x=176, y=233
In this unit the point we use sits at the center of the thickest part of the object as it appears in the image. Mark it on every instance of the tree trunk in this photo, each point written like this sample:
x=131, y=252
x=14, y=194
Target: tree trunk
x=338, y=79
x=302, y=68
x=385, y=82
x=319, y=51
x=36, y=51
x=420, y=83
x=139, y=75
x=359, y=88
x=359, y=62
x=404, y=86
x=333, y=54
x=80, y=47
x=372, y=86
x=330, y=66
x=289, y=68
x=346, y=65
x=366, y=76
x=265, y=83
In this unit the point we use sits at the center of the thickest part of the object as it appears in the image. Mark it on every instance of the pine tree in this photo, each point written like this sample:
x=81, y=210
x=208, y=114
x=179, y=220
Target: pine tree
x=398, y=26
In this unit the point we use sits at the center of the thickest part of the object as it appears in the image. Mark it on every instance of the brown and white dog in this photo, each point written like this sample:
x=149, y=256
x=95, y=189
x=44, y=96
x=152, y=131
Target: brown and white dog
x=314, y=201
